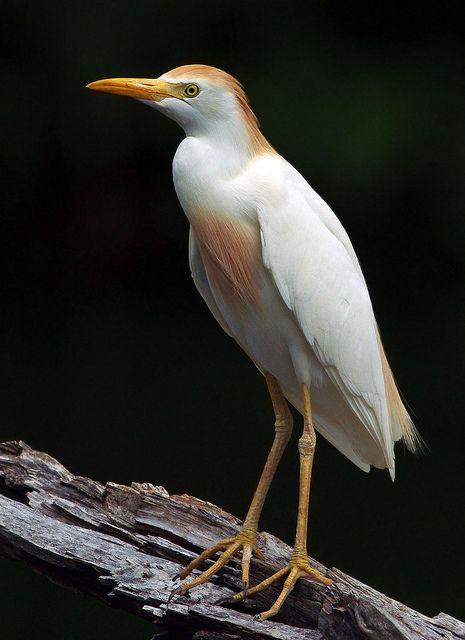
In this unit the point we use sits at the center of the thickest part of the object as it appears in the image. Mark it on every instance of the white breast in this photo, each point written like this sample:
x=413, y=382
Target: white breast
x=224, y=206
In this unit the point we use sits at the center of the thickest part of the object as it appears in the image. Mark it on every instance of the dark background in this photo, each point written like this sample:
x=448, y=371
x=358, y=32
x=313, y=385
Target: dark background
x=110, y=360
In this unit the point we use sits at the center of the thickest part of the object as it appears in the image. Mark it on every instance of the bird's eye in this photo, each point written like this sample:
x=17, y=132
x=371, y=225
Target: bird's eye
x=191, y=90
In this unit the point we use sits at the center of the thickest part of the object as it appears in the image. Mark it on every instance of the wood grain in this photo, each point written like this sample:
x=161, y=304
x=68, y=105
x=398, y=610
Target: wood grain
x=123, y=545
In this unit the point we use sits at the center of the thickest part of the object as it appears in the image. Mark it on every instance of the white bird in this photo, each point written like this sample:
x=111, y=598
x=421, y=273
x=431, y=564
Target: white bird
x=280, y=275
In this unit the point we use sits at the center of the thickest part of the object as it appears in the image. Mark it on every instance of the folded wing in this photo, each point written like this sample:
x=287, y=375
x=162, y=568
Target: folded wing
x=318, y=276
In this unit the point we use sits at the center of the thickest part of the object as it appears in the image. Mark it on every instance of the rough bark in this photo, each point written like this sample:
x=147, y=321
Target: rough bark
x=123, y=545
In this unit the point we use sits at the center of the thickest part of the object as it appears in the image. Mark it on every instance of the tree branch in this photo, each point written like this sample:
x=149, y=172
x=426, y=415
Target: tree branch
x=123, y=545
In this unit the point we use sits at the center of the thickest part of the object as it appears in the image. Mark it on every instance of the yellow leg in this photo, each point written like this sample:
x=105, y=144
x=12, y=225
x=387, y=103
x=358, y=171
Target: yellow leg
x=299, y=565
x=246, y=539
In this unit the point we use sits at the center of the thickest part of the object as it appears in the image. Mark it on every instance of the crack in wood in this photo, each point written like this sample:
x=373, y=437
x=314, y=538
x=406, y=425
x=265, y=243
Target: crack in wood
x=123, y=545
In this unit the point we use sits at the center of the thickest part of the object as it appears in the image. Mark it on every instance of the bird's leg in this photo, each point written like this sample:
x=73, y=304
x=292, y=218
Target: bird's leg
x=299, y=565
x=283, y=430
x=246, y=539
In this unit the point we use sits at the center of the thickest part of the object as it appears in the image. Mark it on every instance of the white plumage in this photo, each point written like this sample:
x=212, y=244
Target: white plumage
x=280, y=275
x=314, y=323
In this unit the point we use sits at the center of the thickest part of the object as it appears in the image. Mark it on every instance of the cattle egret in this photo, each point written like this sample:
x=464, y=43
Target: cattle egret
x=279, y=273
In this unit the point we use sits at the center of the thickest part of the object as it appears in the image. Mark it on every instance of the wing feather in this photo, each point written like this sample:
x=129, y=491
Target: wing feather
x=318, y=276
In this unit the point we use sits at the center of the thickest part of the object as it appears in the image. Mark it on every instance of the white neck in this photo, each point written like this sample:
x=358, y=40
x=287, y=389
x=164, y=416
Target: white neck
x=206, y=165
x=227, y=140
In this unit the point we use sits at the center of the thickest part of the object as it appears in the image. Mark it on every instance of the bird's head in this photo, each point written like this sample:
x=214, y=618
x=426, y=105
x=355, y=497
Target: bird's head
x=202, y=99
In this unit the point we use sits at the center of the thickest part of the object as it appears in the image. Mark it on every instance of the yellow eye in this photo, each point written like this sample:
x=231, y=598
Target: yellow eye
x=191, y=90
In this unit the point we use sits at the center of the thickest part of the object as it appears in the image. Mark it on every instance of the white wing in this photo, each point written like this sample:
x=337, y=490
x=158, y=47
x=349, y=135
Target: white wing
x=317, y=273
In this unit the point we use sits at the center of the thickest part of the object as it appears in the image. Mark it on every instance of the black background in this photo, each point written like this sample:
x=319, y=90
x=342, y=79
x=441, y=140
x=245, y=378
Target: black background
x=110, y=360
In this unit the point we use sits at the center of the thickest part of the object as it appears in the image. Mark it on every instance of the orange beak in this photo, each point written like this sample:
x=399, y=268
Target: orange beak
x=139, y=88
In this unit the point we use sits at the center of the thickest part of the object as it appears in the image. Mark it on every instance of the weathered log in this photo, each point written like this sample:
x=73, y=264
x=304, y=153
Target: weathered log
x=123, y=545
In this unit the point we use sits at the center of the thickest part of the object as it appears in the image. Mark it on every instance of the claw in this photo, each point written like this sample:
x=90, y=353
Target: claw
x=228, y=546
x=296, y=569
x=175, y=592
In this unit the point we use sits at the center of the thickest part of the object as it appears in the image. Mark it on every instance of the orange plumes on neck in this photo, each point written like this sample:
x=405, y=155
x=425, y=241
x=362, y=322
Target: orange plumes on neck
x=258, y=143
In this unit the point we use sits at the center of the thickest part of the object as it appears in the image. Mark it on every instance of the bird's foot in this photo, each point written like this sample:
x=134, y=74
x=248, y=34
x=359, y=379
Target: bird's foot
x=298, y=567
x=245, y=540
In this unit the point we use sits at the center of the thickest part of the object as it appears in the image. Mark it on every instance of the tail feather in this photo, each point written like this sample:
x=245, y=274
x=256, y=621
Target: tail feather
x=400, y=422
